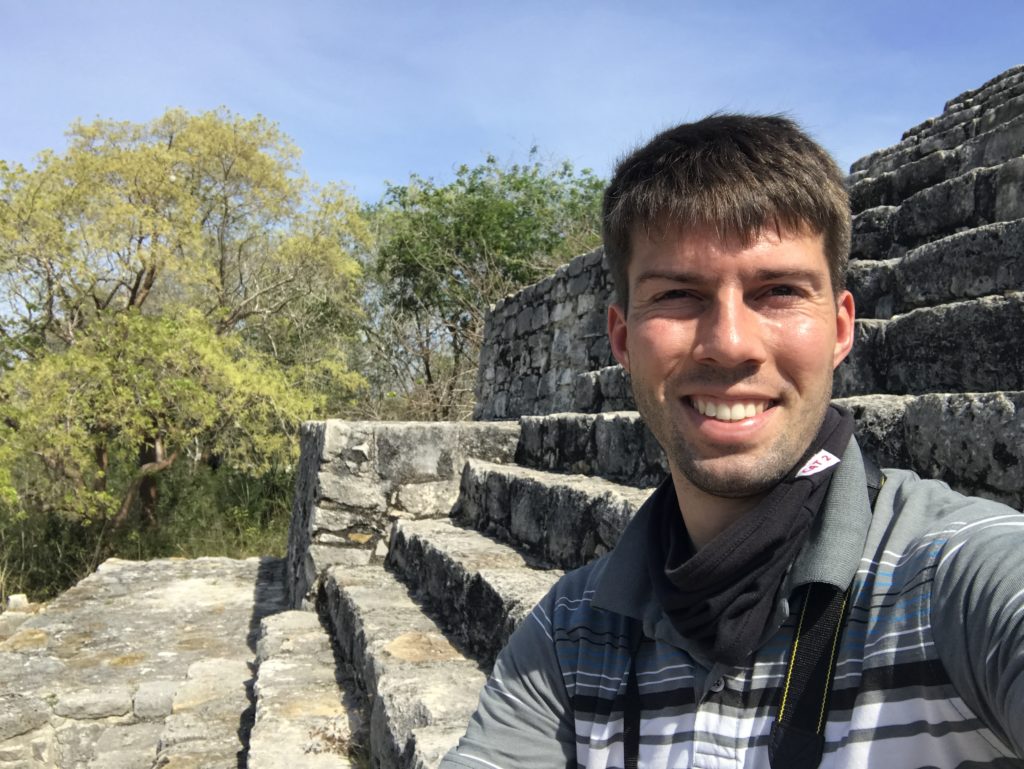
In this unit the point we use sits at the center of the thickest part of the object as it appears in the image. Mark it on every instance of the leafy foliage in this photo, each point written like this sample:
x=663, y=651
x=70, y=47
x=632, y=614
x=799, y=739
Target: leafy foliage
x=171, y=293
x=445, y=253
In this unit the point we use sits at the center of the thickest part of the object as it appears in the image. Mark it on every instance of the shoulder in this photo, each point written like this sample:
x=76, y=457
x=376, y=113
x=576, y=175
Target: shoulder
x=569, y=608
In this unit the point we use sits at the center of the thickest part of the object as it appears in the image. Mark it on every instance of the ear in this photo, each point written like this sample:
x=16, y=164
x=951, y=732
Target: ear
x=617, y=334
x=845, y=315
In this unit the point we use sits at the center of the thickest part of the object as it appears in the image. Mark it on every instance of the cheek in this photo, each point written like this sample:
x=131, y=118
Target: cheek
x=659, y=344
x=804, y=348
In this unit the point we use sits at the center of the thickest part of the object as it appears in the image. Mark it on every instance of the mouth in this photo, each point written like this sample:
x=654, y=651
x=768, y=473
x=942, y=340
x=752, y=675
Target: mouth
x=729, y=411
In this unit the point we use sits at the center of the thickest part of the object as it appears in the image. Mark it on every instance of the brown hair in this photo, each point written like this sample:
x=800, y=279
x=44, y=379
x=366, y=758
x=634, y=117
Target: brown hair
x=740, y=174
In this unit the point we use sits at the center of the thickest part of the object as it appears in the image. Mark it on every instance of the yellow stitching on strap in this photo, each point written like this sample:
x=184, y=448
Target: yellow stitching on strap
x=792, y=655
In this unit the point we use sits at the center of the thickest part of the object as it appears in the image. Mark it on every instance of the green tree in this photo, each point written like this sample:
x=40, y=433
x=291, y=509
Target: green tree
x=170, y=289
x=445, y=253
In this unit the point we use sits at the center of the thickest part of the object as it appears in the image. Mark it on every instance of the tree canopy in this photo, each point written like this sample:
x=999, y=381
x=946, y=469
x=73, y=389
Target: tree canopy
x=167, y=290
x=445, y=253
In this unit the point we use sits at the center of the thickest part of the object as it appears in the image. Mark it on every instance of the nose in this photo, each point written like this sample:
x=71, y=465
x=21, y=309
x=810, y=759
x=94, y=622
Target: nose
x=729, y=333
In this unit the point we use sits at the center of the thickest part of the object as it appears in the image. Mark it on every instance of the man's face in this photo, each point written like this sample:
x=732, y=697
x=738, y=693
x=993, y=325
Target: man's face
x=731, y=351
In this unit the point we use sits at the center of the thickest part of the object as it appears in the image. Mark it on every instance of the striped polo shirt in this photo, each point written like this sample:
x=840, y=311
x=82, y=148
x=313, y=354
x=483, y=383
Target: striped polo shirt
x=930, y=670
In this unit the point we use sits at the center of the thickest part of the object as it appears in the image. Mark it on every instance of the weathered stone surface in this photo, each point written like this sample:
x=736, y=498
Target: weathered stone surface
x=480, y=589
x=861, y=372
x=880, y=428
x=303, y=717
x=427, y=500
x=872, y=285
x=399, y=657
x=974, y=199
x=94, y=703
x=86, y=681
x=354, y=478
x=127, y=746
x=153, y=699
x=522, y=364
x=975, y=442
x=616, y=446
x=607, y=389
x=971, y=346
x=20, y=714
x=979, y=262
x=566, y=520
x=871, y=233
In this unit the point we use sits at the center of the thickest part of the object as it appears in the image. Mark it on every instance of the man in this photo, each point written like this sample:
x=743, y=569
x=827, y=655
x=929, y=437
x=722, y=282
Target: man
x=757, y=611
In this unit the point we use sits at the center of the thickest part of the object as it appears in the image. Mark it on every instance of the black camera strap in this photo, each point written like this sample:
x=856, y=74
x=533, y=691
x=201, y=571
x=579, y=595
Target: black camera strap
x=797, y=738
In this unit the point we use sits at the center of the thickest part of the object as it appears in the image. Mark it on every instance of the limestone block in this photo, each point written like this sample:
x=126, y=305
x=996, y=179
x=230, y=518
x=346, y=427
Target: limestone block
x=1009, y=202
x=411, y=453
x=964, y=346
x=944, y=208
x=970, y=264
x=862, y=371
x=871, y=233
x=427, y=500
x=94, y=703
x=126, y=746
x=334, y=521
x=880, y=427
x=153, y=699
x=350, y=442
x=973, y=441
x=352, y=491
x=872, y=285
x=20, y=714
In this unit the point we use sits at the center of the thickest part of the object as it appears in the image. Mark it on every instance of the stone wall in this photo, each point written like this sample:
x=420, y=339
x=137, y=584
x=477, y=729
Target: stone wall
x=356, y=478
x=936, y=376
x=538, y=342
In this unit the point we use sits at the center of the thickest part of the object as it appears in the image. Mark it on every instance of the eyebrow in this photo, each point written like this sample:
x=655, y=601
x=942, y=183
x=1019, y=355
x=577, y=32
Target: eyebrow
x=812, y=277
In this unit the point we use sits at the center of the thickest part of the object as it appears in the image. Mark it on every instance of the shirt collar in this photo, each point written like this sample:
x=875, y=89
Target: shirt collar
x=831, y=554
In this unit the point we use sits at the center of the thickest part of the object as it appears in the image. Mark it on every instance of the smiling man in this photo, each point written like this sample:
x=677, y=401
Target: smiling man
x=778, y=601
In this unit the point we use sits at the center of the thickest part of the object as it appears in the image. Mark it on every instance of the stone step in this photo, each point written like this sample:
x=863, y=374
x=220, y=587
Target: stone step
x=354, y=477
x=604, y=389
x=965, y=116
x=871, y=234
x=979, y=262
x=973, y=441
x=480, y=589
x=891, y=188
x=566, y=520
x=976, y=198
x=210, y=716
x=304, y=718
x=968, y=346
x=616, y=446
x=139, y=662
x=968, y=265
x=421, y=688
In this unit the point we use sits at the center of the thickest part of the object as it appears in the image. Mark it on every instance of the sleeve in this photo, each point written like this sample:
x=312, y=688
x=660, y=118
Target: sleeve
x=524, y=717
x=978, y=615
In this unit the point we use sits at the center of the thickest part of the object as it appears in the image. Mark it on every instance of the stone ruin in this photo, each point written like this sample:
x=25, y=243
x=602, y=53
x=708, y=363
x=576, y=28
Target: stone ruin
x=416, y=548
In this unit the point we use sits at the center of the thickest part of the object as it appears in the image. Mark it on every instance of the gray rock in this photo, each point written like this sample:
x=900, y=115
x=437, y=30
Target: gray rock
x=20, y=714
x=153, y=699
x=94, y=703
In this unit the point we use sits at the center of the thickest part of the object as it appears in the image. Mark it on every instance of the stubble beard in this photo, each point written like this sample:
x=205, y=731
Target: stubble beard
x=749, y=477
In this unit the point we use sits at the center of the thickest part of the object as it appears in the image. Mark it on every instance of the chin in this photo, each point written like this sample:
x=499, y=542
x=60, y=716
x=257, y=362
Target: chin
x=734, y=482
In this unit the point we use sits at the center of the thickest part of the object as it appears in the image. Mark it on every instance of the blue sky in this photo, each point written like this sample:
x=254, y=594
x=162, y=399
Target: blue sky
x=375, y=91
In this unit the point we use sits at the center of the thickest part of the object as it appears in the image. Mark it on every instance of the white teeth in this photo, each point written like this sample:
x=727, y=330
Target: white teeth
x=727, y=412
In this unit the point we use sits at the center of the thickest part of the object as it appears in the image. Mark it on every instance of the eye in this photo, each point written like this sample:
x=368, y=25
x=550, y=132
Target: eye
x=674, y=294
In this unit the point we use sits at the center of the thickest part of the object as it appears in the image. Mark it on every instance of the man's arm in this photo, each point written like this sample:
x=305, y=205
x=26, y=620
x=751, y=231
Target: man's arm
x=978, y=617
x=524, y=718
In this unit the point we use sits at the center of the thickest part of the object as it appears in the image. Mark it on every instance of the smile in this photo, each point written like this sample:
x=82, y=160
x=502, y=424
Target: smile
x=729, y=411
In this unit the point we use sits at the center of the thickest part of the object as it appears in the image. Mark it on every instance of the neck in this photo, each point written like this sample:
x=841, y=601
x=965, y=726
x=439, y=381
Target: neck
x=705, y=515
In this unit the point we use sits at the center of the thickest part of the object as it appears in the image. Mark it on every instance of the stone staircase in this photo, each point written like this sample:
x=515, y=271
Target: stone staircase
x=416, y=549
